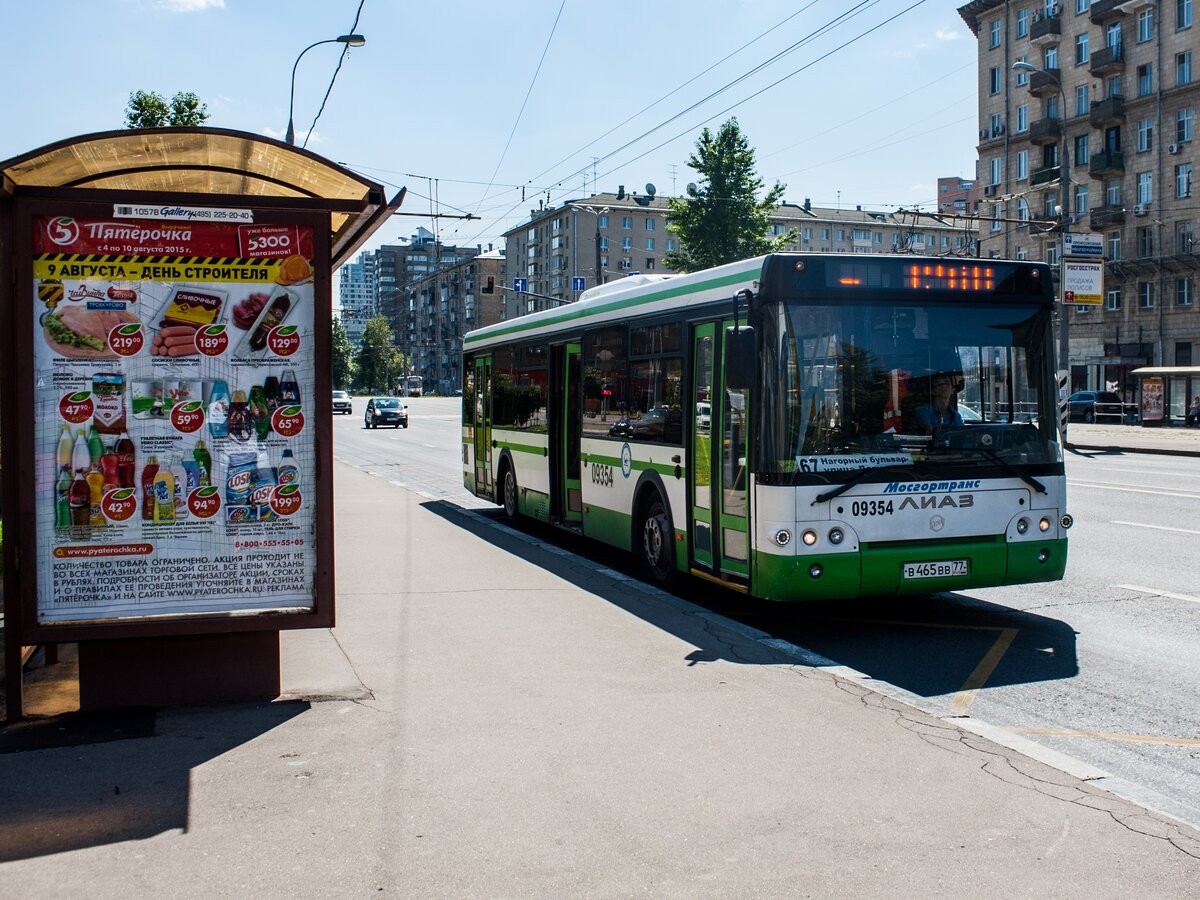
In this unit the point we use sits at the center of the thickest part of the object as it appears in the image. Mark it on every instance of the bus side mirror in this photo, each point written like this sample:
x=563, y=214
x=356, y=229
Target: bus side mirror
x=741, y=355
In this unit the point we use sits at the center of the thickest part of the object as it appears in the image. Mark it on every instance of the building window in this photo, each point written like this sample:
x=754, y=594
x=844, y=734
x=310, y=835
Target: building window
x=1022, y=118
x=1183, y=237
x=1051, y=107
x=1183, y=13
x=994, y=34
x=1022, y=26
x=1145, y=80
x=1183, y=125
x=1083, y=100
x=1112, y=87
x=1183, y=291
x=1081, y=150
x=1081, y=6
x=1183, y=67
x=1112, y=192
x=1114, y=245
x=1183, y=180
x=670, y=245
x=1081, y=48
x=1113, y=301
x=1145, y=187
x=995, y=126
x=1081, y=199
x=824, y=234
x=649, y=243
x=1145, y=135
x=994, y=167
x=1183, y=353
x=1050, y=205
x=602, y=221
x=1145, y=241
x=627, y=222
x=995, y=217
x=626, y=264
x=994, y=79
x=627, y=244
x=649, y=263
x=649, y=224
x=1050, y=58
x=603, y=242
x=1022, y=210
x=1052, y=254
x=1023, y=164
x=1145, y=25
x=1145, y=291
x=1023, y=74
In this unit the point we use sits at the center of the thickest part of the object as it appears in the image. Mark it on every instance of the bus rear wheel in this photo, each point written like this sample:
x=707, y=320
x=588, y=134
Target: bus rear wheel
x=508, y=493
x=657, y=545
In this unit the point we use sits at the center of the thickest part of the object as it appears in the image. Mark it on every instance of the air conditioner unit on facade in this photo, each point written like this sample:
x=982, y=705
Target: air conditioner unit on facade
x=1141, y=209
x=1172, y=148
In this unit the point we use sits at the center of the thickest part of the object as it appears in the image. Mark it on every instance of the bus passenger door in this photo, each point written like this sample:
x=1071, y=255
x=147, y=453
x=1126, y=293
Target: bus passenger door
x=483, y=428
x=717, y=476
x=570, y=427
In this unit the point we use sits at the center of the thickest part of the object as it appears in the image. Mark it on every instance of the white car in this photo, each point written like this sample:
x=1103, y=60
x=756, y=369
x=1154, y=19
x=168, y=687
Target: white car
x=342, y=403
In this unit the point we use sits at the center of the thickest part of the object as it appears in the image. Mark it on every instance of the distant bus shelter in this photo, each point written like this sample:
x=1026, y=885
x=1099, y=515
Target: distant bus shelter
x=165, y=421
x=1165, y=391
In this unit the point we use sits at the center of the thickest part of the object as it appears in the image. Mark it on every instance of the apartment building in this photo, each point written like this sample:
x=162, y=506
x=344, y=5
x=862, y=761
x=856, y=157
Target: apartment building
x=958, y=196
x=357, y=295
x=399, y=265
x=608, y=236
x=1096, y=133
x=441, y=308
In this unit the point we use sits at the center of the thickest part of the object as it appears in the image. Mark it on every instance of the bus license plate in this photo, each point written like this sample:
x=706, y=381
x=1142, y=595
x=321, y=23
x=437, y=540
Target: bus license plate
x=945, y=568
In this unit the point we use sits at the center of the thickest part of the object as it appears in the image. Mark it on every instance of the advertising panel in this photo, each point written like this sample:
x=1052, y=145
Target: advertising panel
x=1083, y=281
x=174, y=449
x=1152, y=399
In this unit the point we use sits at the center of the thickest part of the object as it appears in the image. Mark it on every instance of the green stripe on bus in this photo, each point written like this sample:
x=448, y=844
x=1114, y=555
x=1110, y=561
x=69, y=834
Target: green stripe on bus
x=522, y=448
x=569, y=314
x=637, y=464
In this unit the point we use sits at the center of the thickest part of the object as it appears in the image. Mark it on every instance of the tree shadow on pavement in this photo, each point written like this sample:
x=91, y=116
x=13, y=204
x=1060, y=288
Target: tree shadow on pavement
x=88, y=779
x=930, y=645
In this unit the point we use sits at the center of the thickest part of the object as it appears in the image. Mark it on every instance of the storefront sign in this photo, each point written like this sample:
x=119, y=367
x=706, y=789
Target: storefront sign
x=173, y=365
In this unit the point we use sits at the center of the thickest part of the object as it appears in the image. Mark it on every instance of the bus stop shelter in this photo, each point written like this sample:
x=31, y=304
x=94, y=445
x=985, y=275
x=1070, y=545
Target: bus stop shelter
x=241, y=193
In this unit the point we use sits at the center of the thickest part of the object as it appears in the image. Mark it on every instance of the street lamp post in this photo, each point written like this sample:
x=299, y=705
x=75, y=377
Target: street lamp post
x=353, y=40
x=1064, y=222
x=597, y=213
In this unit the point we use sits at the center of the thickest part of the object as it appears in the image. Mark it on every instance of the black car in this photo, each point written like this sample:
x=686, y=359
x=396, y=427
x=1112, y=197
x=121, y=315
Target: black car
x=385, y=411
x=659, y=424
x=1092, y=406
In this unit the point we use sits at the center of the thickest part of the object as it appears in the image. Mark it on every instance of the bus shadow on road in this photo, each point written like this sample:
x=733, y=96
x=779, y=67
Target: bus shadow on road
x=937, y=645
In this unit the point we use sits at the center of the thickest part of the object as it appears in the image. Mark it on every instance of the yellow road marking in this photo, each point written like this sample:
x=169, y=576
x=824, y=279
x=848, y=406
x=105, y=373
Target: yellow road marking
x=966, y=694
x=1108, y=736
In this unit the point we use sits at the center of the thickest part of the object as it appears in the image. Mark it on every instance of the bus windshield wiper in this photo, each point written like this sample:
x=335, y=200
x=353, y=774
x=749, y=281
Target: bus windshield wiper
x=1007, y=467
x=859, y=475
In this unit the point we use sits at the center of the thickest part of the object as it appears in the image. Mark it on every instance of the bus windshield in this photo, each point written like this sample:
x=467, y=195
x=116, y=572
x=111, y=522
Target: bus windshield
x=900, y=383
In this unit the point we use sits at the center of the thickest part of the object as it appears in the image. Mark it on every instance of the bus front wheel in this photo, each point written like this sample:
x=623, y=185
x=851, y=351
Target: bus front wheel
x=508, y=493
x=657, y=542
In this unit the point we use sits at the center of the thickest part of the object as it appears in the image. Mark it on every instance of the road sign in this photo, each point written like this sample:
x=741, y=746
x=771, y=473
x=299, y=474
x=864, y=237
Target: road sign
x=521, y=285
x=1083, y=246
x=578, y=283
x=1083, y=281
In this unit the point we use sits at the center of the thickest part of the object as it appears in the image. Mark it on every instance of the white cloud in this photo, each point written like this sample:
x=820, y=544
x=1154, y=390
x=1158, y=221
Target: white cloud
x=948, y=34
x=300, y=135
x=188, y=6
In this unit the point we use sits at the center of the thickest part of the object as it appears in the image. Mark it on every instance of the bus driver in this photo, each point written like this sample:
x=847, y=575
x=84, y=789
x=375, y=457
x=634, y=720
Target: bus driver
x=942, y=408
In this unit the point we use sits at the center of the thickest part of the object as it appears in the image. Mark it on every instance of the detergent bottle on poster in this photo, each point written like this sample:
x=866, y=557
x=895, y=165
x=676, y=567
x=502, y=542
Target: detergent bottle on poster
x=148, y=474
x=289, y=472
x=239, y=424
x=289, y=388
x=260, y=417
x=179, y=492
x=204, y=461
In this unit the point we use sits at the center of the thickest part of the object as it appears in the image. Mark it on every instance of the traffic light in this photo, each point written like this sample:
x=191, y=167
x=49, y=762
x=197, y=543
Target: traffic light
x=490, y=286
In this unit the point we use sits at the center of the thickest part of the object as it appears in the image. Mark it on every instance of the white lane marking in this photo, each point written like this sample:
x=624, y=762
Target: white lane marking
x=1163, y=472
x=1118, y=487
x=1156, y=527
x=1157, y=593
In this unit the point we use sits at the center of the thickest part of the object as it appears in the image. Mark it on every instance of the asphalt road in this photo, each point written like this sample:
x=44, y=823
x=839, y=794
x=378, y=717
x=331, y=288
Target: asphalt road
x=1104, y=666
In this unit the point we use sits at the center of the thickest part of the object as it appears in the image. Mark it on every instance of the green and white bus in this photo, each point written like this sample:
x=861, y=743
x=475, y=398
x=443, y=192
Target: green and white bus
x=794, y=426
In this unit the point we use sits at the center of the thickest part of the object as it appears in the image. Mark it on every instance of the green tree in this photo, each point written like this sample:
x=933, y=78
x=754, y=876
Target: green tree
x=722, y=220
x=379, y=364
x=343, y=357
x=148, y=109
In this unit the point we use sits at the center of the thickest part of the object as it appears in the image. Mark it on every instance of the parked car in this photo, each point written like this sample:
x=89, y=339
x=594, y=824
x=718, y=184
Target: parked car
x=1089, y=406
x=342, y=403
x=659, y=424
x=385, y=411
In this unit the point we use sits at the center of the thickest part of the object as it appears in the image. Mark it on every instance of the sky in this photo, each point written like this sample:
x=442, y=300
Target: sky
x=486, y=108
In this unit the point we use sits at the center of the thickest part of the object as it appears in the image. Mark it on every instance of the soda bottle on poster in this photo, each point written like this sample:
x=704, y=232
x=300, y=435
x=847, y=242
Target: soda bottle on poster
x=62, y=497
x=81, y=455
x=204, y=461
x=125, y=460
x=80, y=501
x=95, y=483
x=95, y=445
x=110, y=468
x=66, y=443
x=289, y=387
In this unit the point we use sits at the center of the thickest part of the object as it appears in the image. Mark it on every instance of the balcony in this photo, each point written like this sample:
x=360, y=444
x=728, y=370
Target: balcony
x=1046, y=131
x=1044, y=175
x=1046, y=29
x=1110, y=162
x=1106, y=61
x=1107, y=216
x=1107, y=112
x=1044, y=83
x=1103, y=11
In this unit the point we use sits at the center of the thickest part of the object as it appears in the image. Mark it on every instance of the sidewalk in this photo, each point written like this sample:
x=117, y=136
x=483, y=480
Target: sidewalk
x=1174, y=441
x=493, y=717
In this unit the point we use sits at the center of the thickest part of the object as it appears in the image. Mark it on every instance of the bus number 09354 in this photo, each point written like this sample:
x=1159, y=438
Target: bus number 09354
x=602, y=475
x=872, y=508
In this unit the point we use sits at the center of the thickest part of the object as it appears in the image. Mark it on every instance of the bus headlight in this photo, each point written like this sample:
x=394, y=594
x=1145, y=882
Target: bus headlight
x=809, y=537
x=1044, y=524
x=836, y=535
x=1022, y=525
x=783, y=537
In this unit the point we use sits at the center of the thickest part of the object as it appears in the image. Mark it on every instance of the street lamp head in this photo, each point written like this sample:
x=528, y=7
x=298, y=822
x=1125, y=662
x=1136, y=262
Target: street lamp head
x=350, y=40
x=1021, y=64
x=354, y=40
